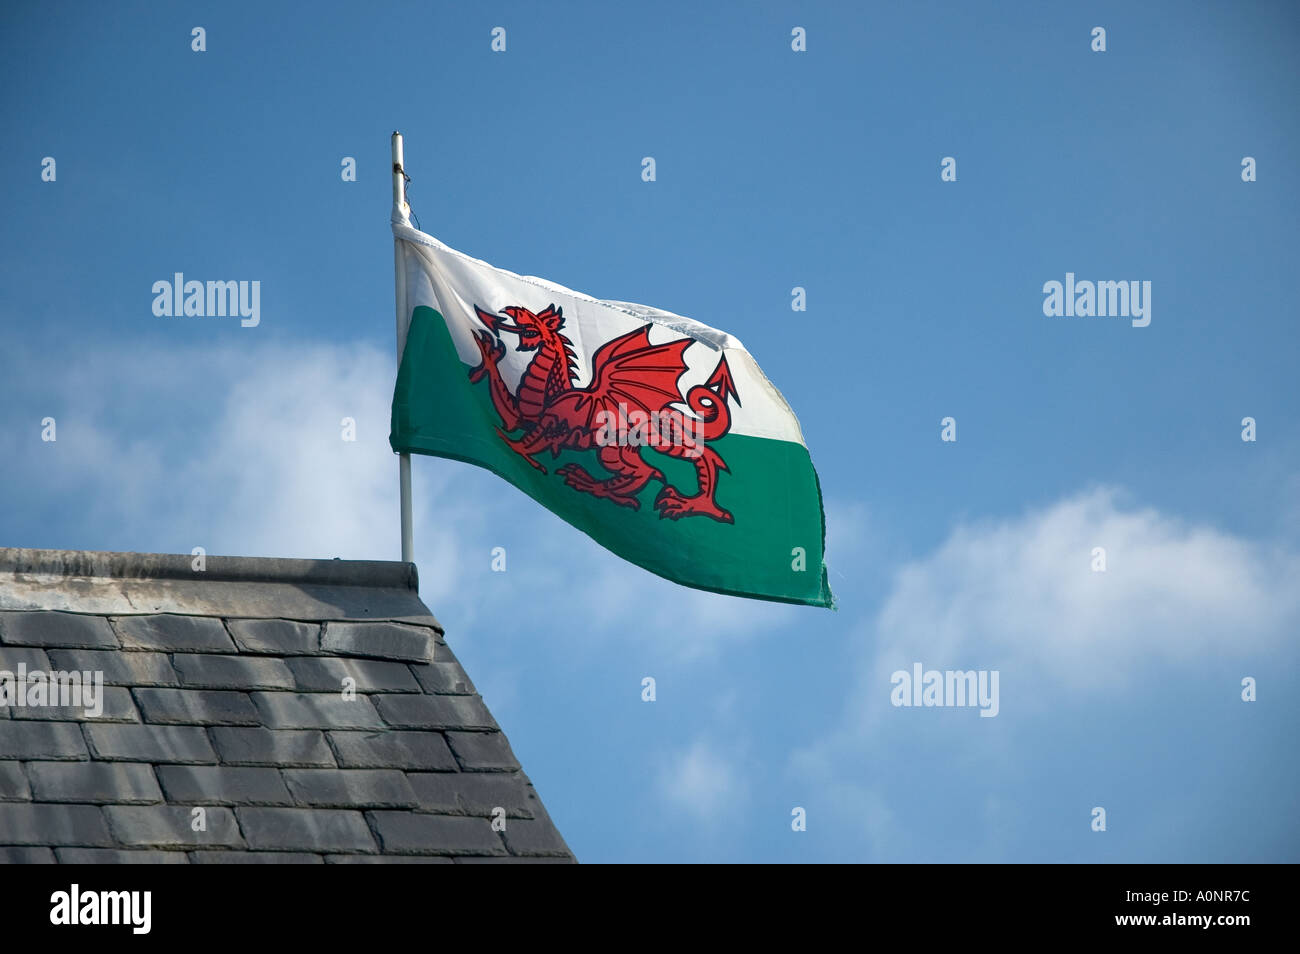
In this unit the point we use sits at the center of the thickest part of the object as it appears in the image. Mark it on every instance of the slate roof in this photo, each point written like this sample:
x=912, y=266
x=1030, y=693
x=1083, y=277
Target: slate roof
x=224, y=688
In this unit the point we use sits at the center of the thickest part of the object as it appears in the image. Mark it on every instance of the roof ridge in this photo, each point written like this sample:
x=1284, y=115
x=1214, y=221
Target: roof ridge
x=88, y=564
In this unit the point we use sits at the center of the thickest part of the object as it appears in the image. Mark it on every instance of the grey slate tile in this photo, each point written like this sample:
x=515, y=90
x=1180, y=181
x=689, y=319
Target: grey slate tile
x=255, y=858
x=26, y=739
x=115, y=705
x=434, y=712
x=302, y=829
x=119, y=668
x=150, y=743
x=13, y=783
x=387, y=860
x=223, y=785
x=326, y=674
x=443, y=676
x=426, y=620
x=55, y=629
x=436, y=834
x=23, y=823
x=379, y=640
x=415, y=751
x=539, y=837
x=316, y=710
x=171, y=826
x=284, y=747
x=119, y=856
x=232, y=672
x=196, y=707
x=516, y=860
x=483, y=751
x=275, y=637
x=350, y=788
x=27, y=856
x=31, y=657
x=169, y=633
x=99, y=782
x=473, y=793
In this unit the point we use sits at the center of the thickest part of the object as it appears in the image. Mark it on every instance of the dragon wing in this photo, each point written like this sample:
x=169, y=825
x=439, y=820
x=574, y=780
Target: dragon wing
x=628, y=370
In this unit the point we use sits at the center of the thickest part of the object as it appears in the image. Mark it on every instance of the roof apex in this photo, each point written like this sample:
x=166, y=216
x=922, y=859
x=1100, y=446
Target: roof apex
x=125, y=584
x=178, y=566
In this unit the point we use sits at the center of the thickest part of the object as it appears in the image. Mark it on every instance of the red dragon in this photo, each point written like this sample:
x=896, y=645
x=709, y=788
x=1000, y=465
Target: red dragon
x=629, y=374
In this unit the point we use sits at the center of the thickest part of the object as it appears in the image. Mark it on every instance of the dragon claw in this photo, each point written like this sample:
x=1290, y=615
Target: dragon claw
x=491, y=350
x=575, y=476
x=673, y=506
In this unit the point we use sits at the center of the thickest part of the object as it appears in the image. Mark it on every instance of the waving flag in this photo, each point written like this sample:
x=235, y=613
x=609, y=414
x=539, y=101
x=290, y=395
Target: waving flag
x=656, y=435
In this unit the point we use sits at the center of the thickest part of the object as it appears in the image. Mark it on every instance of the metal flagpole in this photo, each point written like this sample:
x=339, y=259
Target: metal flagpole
x=399, y=276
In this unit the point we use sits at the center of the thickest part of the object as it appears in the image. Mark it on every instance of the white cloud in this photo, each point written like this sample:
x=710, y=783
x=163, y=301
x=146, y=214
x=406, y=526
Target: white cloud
x=701, y=781
x=688, y=624
x=1023, y=592
x=237, y=449
x=1019, y=595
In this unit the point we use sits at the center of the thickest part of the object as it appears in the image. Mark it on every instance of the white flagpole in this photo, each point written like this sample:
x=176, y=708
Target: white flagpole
x=403, y=318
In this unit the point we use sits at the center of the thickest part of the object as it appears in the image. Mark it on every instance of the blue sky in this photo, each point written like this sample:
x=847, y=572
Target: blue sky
x=775, y=169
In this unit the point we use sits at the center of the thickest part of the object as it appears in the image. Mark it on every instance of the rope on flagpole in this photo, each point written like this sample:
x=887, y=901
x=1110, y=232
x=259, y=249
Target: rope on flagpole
x=406, y=194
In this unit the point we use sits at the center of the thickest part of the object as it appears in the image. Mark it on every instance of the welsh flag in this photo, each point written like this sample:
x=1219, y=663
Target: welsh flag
x=656, y=435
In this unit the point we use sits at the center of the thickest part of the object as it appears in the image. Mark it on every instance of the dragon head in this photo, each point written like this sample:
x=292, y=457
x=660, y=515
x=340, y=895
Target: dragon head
x=533, y=330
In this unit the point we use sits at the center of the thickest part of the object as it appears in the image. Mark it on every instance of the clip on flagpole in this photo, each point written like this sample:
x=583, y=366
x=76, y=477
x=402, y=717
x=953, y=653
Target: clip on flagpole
x=403, y=318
